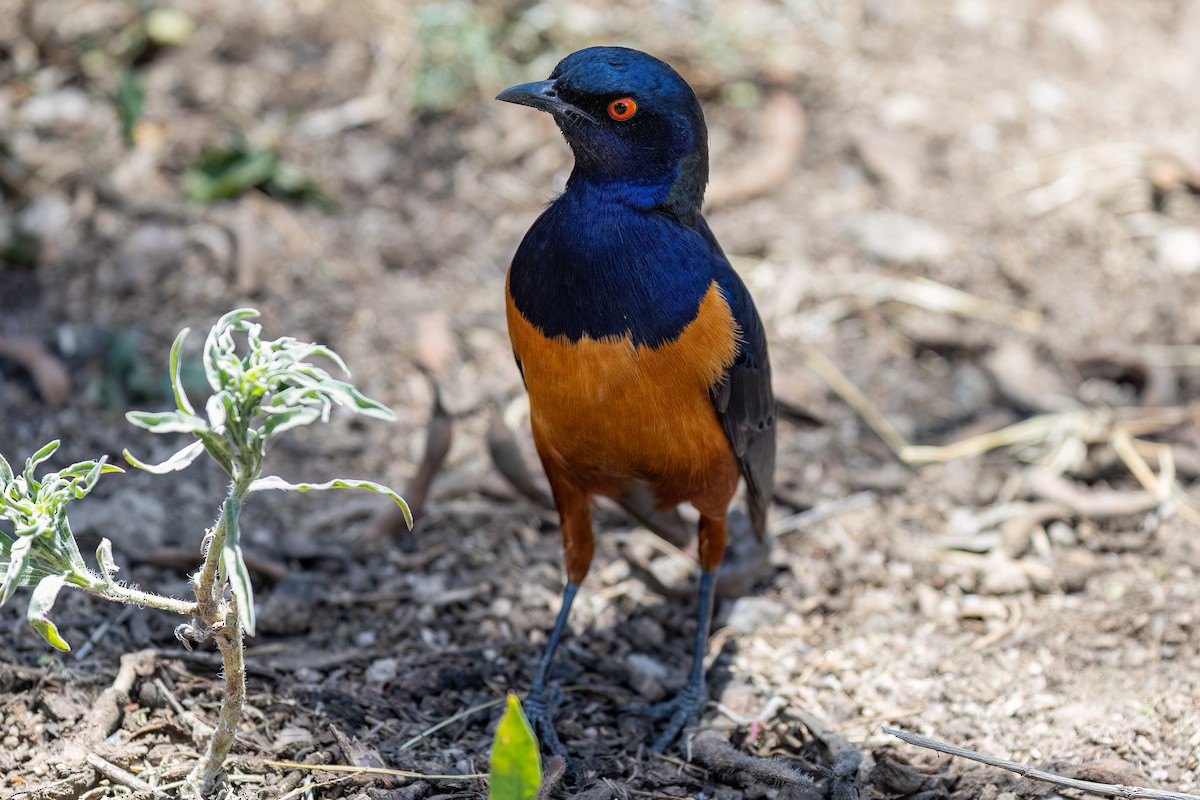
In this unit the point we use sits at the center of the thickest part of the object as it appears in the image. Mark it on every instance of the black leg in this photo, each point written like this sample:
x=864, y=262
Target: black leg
x=684, y=709
x=541, y=704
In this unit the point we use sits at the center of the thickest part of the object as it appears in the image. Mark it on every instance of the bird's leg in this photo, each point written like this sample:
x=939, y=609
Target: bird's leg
x=684, y=709
x=540, y=703
x=575, y=519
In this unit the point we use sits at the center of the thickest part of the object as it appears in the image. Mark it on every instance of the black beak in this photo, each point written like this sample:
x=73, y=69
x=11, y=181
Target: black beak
x=540, y=95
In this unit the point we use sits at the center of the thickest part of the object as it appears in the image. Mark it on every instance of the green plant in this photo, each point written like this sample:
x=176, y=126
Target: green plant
x=257, y=394
x=222, y=173
x=516, y=768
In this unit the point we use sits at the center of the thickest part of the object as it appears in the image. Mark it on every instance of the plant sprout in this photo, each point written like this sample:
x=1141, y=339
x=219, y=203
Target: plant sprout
x=259, y=392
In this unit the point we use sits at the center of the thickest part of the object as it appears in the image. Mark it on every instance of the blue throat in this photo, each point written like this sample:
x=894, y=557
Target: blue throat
x=615, y=256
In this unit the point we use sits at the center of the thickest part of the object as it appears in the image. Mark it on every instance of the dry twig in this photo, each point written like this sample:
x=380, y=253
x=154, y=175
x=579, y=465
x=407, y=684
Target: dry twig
x=1105, y=789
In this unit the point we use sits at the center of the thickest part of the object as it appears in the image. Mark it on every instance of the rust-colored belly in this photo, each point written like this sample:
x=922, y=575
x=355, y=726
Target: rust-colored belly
x=608, y=412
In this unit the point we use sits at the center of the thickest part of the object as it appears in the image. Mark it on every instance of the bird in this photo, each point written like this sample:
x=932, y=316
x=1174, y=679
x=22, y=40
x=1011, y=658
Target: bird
x=641, y=350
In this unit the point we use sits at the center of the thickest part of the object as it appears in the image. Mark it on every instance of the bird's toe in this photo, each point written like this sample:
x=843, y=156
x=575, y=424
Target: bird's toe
x=680, y=712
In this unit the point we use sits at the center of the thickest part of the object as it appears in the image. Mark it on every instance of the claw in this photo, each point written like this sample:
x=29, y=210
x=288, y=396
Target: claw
x=683, y=710
x=540, y=707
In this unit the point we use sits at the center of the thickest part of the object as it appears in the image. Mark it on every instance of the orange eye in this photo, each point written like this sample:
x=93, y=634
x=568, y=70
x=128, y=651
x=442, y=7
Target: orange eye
x=622, y=109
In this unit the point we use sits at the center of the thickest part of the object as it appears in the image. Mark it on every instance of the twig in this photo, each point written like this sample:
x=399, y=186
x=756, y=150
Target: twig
x=118, y=775
x=308, y=787
x=395, y=773
x=450, y=721
x=823, y=511
x=1105, y=789
x=821, y=364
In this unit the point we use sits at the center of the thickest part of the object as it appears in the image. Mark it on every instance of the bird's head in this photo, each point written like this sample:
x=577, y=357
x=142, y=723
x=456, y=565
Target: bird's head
x=630, y=120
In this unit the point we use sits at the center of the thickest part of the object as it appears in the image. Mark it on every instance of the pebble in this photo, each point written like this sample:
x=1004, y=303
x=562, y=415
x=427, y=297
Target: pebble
x=1178, y=250
x=750, y=614
x=899, y=239
x=63, y=108
x=1079, y=25
x=646, y=675
x=382, y=670
x=1002, y=575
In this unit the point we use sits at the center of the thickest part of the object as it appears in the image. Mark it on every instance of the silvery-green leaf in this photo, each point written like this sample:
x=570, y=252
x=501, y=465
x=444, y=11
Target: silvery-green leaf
x=37, y=458
x=215, y=411
x=6, y=473
x=211, y=343
x=280, y=421
x=181, y=398
x=104, y=558
x=18, y=562
x=275, y=482
x=344, y=394
x=40, y=604
x=96, y=469
x=216, y=447
x=235, y=566
x=165, y=421
x=173, y=464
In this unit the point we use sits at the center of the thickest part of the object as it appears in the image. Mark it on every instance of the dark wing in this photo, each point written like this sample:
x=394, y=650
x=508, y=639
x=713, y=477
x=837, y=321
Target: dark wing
x=743, y=400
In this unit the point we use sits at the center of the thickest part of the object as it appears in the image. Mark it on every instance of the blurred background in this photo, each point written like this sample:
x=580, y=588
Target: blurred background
x=955, y=216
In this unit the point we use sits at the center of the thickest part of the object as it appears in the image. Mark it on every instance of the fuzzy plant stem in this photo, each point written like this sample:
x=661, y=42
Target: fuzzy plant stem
x=222, y=617
x=123, y=594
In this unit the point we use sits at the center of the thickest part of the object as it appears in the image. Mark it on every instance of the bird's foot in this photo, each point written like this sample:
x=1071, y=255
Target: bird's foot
x=680, y=712
x=540, y=705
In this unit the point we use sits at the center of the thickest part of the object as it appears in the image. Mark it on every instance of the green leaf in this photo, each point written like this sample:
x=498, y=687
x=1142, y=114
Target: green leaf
x=275, y=482
x=130, y=99
x=6, y=473
x=235, y=566
x=173, y=464
x=181, y=398
x=166, y=421
x=221, y=174
x=40, y=604
x=516, y=768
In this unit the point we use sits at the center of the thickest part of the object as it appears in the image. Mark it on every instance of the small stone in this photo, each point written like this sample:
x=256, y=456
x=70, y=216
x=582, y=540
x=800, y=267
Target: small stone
x=307, y=675
x=1178, y=250
x=646, y=675
x=382, y=670
x=1002, y=575
x=1079, y=24
x=749, y=614
x=67, y=107
x=897, y=239
x=1062, y=534
x=46, y=216
x=644, y=633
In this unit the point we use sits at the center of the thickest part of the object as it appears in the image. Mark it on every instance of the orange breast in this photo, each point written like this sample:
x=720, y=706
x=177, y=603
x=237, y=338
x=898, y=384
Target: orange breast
x=609, y=412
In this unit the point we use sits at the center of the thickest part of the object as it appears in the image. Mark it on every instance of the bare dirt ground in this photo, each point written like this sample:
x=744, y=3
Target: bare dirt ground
x=1035, y=601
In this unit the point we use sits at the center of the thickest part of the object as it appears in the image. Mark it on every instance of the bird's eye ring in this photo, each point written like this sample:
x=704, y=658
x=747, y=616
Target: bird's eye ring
x=622, y=109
